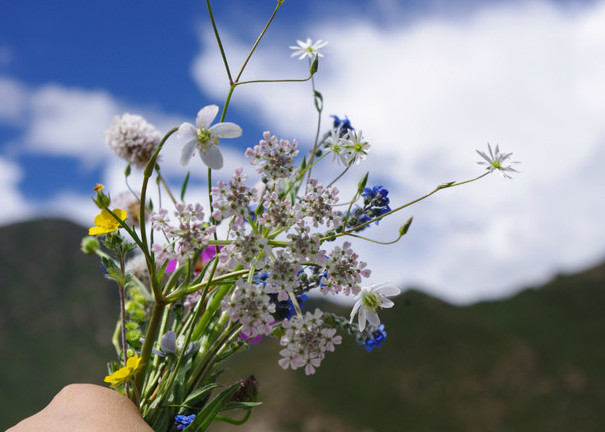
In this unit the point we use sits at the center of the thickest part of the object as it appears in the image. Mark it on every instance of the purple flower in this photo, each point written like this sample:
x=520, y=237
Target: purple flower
x=209, y=252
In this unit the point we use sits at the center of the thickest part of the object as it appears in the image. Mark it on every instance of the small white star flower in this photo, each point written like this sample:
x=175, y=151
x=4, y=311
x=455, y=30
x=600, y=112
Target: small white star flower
x=204, y=137
x=307, y=49
x=495, y=161
x=356, y=147
x=337, y=145
x=369, y=300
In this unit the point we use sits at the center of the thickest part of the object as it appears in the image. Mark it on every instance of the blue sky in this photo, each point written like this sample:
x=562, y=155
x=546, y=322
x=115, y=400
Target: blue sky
x=428, y=82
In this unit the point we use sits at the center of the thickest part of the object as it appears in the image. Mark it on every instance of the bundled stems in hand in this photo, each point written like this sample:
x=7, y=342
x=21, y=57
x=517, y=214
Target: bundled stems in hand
x=250, y=281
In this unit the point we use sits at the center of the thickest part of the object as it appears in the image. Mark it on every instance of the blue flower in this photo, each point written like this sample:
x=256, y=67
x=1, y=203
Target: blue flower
x=261, y=278
x=284, y=310
x=343, y=125
x=376, y=202
x=374, y=339
x=301, y=299
x=182, y=421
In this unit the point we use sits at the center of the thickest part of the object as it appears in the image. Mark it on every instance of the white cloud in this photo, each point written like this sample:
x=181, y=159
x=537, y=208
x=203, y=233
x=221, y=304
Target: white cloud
x=529, y=76
x=58, y=120
x=70, y=122
x=55, y=120
x=13, y=206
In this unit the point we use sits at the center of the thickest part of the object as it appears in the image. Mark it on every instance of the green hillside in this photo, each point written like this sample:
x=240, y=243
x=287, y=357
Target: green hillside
x=56, y=316
x=529, y=363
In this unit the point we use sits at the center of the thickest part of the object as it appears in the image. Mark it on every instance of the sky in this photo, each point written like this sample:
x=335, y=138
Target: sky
x=428, y=83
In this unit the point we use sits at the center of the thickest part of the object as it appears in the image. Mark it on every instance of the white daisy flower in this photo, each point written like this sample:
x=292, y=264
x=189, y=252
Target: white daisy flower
x=204, y=137
x=307, y=49
x=495, y=161
x=369, y=299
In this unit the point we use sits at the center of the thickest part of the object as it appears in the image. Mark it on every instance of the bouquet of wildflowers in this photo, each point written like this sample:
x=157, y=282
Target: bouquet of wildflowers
x=200, y=283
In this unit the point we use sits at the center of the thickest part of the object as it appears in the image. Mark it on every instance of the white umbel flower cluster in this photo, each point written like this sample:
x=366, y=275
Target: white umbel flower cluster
x=133, y=139
x=306, y=341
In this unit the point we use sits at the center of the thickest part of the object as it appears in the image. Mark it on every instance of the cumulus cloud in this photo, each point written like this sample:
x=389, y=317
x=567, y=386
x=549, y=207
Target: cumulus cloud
x=526, y=75
x=69, y=122
x=14, y=206
x=57, y=120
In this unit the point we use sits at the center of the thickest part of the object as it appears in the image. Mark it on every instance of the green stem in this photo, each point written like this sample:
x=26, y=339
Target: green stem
x=150, y=335
x=233, y=421
x=262, y=33
x=216, y=280
x=281, y=80
x=166, y=188
x=227, y=336
x=214, y=305
x=377, y=218
x=218, y=40
x=157, y=293
x=319, y=111
x=375, y=241
x=341, y=174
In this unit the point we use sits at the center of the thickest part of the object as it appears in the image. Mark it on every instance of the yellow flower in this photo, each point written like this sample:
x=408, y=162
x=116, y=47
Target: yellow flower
x=98, y=187
x=122, y=375
x=106, y=223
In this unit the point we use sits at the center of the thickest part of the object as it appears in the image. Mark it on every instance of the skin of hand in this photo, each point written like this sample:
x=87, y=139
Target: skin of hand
x=86, y=408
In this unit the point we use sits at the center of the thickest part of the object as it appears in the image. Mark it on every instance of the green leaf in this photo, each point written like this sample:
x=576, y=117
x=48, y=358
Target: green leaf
x=184, y=187
x=206, y=416
x=241, y=405
x=319, y=101
x=197, y=397
x=115, y=274
x=108, y=262
x=180, y=381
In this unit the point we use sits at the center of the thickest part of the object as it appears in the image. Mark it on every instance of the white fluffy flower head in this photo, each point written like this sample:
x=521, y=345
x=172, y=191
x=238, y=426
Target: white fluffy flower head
x=133, y=139
x=204, y=137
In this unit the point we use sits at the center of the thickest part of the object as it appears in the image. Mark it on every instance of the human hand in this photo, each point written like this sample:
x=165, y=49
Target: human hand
x=86, y=408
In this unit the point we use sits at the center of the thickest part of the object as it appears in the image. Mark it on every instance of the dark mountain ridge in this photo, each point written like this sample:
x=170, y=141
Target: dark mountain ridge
x=533, y=362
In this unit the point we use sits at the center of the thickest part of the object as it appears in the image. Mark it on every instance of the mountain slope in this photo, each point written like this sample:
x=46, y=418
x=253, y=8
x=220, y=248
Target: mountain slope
x=56, y=315
x=533, y=362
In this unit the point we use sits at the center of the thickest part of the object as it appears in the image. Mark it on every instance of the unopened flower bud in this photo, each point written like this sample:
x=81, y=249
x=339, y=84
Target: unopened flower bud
x=406, y=226
x=247, y=391
x=90, y=245
x=168, y=342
